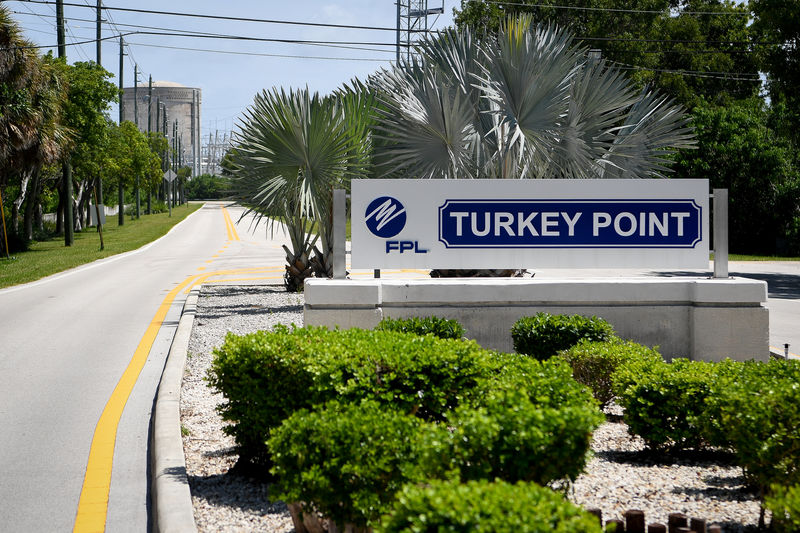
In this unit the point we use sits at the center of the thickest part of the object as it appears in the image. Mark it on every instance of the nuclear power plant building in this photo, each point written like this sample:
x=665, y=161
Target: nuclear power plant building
x=177, y=103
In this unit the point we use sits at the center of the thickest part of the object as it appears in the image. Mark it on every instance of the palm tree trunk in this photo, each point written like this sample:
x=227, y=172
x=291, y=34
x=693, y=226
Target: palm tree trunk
x=30, y=205
x=60, y=211
x=17, y=203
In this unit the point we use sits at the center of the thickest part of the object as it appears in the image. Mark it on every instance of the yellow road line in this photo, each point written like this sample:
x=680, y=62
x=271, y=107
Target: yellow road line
x=203, y=278
x=233, y=235
x=93, y=503
x=782, y=350
x=244, y=279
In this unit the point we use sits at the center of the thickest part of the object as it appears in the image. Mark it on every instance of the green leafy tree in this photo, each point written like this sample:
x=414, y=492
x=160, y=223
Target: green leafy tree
x=660, y=42
x=778, y=22
x=19, y=117
x=737, y=150
x=207, y=187
x=131, y=156
x=86, y=113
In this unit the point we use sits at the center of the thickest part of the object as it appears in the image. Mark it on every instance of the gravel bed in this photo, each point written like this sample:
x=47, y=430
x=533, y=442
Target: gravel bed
x=620, y=476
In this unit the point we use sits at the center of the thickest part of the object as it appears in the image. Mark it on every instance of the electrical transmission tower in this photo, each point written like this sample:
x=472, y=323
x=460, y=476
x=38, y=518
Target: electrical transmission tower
x=412, y=20
x=214, y=151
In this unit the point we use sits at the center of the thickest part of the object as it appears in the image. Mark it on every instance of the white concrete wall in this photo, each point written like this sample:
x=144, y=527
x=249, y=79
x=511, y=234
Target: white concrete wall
x=699, y=318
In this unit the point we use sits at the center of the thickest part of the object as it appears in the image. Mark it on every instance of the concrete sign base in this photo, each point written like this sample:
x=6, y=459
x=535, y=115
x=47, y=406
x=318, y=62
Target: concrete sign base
x=698, y=318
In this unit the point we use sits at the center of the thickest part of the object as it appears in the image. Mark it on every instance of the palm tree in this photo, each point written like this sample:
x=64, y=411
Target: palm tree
x=19, y=74
x=527, y=103
x=32, y=91
x=293, y=149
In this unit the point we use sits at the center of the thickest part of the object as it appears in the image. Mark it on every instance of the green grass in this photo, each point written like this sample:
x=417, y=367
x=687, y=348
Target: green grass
x=746, y=257
x=742, y=257
x=49, y=257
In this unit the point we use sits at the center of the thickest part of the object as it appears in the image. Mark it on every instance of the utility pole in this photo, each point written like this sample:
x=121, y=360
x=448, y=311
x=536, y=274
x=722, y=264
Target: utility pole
x=98, y=189
x=174, y=159
x=99, y=32
x=149, y=103
x=149, y=127
x=136, y=95
x=180, y=165
x=62, y=41
x=136, y=121
x=66, y=166
x=121, y=86
x=120, y=188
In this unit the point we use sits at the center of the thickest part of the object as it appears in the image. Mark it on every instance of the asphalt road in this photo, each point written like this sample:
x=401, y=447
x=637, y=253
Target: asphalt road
x=81, y=354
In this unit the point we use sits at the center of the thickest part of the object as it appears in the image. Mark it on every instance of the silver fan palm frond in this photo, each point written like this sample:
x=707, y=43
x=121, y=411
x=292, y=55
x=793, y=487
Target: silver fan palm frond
x=293, y=149
x=653, y=128
x=429, y=125
x=598, y=100
x=523, y=104
x=528, y=78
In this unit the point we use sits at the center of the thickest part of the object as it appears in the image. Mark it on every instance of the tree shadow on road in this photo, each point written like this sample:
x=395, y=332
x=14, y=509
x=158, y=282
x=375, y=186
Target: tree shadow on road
x=779, y=285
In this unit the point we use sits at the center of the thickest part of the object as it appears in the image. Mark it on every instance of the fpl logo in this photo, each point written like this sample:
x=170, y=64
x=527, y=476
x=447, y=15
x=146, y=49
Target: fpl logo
x=385, y=217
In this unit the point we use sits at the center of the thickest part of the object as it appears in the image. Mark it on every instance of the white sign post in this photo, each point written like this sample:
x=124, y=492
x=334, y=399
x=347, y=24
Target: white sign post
x=652, y=223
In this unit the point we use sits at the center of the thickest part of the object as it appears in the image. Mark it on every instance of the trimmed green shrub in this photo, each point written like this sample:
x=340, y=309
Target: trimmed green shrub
x=543, y=335
x=664, y=402
x=346, y=460
x=593, y=363
x=511, y=438
x=266, y=376
x=758, y=413
x=485, y=507
x=785, y=506
x=547, y=383
x=439, y=327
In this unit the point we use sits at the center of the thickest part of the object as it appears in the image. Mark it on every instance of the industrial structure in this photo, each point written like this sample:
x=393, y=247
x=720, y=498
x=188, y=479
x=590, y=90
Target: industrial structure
x=168, y=103
x=412, y=20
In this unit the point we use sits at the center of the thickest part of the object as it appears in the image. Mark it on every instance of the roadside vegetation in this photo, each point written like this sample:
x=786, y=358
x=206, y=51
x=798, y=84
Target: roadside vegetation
x=422, y=426
x=49, y=256
x=60, y=151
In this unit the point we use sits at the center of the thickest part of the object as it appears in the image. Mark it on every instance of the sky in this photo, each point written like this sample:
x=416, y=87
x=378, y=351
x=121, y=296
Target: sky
x=230, y=80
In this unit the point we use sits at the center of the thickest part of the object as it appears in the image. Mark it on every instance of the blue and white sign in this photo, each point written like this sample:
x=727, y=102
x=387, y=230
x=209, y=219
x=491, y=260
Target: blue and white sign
x=530, y=223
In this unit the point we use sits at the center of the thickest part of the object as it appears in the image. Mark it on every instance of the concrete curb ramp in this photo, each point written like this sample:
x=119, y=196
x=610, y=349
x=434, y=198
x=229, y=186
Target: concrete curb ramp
x=171, y=498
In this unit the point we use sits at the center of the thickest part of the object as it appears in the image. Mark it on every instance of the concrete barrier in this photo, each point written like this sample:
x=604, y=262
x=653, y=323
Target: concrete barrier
x=699, y=318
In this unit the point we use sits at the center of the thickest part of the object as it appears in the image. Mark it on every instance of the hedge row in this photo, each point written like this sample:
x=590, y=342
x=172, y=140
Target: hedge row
x=430, y=325
x=543, y=335
x=747, y=407
x=485, y=507
x=348, y=418
x=267, y=376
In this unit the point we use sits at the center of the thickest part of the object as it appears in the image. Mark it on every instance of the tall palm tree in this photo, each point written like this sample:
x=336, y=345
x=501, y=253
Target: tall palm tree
x=19, y=75
x=524, y=104
x=293, y=149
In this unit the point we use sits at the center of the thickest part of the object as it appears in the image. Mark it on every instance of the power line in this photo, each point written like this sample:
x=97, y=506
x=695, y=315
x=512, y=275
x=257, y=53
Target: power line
x=733, y=76
x=618, y=10
x=222, y=17
x=263, y=54
x=191, y=33
x=226, y=37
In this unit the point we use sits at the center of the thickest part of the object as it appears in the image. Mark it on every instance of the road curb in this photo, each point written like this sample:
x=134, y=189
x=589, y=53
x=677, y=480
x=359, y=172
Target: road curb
x=171, y=498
